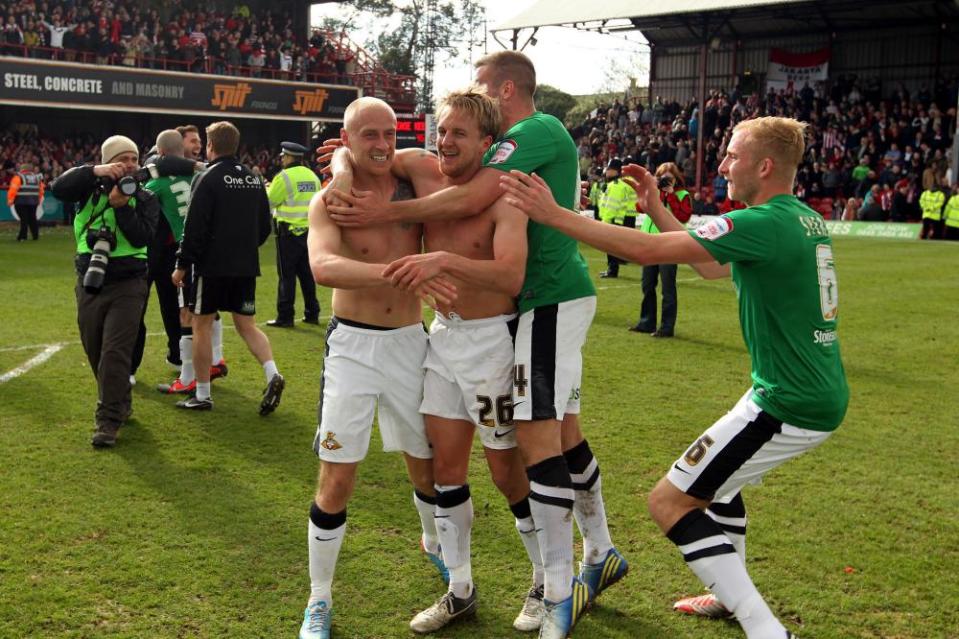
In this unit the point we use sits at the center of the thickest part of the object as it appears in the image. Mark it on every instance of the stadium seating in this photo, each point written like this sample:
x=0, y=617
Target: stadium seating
x=849, y=121
x=191, y=37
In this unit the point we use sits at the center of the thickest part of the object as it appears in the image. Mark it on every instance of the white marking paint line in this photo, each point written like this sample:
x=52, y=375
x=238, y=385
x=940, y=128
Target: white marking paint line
x=34, y=361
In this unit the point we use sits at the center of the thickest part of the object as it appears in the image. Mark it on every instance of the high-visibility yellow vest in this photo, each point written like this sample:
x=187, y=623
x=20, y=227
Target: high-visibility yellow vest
x=931, y=202
x=618, y=201
x=98, y=209
x=952, y=211
x=290, y=193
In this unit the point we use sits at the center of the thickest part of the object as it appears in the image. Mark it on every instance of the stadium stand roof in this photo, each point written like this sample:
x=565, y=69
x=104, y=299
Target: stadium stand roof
x=680, y=22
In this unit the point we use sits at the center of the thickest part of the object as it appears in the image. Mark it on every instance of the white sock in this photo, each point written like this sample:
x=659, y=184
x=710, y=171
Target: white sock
x=217, y=340
x=527, y=533
x=270, y=369
x=589, y=509
x=550, y=502
x=426, y=507
x=731, y=518
x=710, y=554
x=187, y=373
x=733, y=587
x=454, y=524
x=324, y=549
x=202, y=390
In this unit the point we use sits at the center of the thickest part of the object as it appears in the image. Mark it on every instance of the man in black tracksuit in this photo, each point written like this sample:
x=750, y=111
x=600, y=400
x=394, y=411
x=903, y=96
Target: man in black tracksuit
x=228, y=220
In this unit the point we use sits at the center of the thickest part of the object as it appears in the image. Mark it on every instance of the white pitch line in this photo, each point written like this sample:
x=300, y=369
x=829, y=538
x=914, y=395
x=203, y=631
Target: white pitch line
x=36, y=360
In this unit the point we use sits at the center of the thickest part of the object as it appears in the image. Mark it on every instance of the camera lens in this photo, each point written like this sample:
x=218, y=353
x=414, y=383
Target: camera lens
x=127, y=185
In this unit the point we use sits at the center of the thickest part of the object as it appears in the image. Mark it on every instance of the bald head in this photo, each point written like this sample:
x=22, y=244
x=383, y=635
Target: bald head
x=362, y=108
x=170, y=142
x=369, y=133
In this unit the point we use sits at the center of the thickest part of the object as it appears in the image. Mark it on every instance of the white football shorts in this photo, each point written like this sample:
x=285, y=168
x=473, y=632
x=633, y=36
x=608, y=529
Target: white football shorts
x=469, y=375
x=549, y=359
x=741, y=447
x=367, y=368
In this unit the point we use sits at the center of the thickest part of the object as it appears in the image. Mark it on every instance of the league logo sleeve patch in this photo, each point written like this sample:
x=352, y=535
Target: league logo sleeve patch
x=715, y=228
x=503, y=151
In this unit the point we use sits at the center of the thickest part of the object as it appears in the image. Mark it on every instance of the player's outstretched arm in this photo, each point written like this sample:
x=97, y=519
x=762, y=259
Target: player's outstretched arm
x=530, y=194
x=417, y=166
x=329, y=267
x=648, y=202
x=454, y=202
x=504, y=273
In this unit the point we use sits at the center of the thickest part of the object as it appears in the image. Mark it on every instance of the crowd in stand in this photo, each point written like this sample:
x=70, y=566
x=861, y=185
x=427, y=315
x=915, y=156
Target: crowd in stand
x=52, y=156
x=869, y=155
x=180, y=35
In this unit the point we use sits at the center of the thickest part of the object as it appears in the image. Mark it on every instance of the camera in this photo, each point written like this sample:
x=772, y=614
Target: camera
x=164, y=166
x=127, y=185
x=101, y=242
x=664, y=182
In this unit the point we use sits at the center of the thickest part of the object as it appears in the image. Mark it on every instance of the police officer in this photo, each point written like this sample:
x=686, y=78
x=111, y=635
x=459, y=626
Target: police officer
x=616, y=203
x=290, y=193
x=951, y=216
x=931, y=202
x=25, y=197
x=108, y=312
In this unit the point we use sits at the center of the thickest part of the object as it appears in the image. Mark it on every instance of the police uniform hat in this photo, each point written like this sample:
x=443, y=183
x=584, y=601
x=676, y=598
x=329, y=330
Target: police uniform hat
x=615, y=164
x=292, y=148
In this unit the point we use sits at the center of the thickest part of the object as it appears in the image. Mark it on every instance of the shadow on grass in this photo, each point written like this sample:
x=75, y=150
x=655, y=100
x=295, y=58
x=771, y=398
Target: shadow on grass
x=225, y=508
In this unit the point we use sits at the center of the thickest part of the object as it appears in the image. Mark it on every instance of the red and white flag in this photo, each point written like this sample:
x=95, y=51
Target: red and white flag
x=791, y=71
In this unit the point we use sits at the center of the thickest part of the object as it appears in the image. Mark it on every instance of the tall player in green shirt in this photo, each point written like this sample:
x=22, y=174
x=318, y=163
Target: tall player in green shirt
x=556, y=306
x=782, y=268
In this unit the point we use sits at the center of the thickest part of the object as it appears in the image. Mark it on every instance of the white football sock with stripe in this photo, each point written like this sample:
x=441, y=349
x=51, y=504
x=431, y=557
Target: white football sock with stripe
x=710, y=554
x=426, y=508
x=731, y=518
x=326, y=532
x=588, y=508
x=550, y=502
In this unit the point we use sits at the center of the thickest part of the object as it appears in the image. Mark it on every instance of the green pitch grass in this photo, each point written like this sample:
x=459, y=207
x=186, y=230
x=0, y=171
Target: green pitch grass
x=195, y=525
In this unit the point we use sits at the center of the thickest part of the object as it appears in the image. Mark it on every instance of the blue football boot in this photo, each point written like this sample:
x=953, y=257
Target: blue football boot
x=601, y=576
x=317, y=621
x=560, y=617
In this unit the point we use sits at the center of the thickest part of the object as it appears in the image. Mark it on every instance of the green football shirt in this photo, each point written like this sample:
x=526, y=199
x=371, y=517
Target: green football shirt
x=555, y=270
x=173, y=193
x=782, y=268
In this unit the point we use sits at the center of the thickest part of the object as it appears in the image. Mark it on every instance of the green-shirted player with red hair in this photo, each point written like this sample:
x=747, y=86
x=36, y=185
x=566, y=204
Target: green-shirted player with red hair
x=779, y=254
x=556, y=306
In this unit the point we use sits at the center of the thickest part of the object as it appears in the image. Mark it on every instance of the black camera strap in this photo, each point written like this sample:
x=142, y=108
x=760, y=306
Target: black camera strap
x=97, y=214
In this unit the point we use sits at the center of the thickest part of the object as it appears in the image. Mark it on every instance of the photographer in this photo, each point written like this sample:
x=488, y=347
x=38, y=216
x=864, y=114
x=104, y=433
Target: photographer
x=116, y=220
x=676, y=199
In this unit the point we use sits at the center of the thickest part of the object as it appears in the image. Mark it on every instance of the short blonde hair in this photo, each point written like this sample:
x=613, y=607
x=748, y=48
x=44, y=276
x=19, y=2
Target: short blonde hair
x=476, y=104
x=223, y=138
x=511, y=65
x=782, y=139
